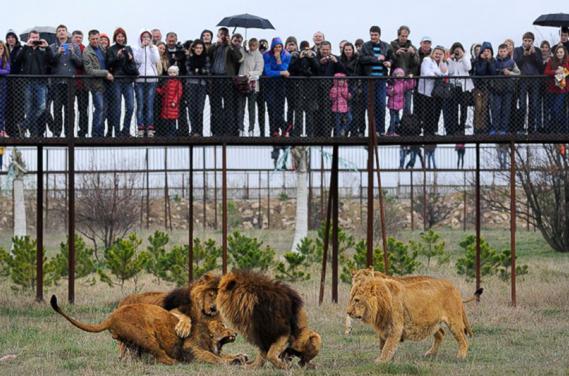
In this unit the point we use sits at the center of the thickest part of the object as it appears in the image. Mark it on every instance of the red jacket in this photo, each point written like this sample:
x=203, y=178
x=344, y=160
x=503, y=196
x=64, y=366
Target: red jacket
x=551, y=87
x=171, y=93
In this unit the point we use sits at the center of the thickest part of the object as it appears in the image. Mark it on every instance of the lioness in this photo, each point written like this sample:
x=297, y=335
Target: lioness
x=150, y=328
x=270, y=315
x=400, y=311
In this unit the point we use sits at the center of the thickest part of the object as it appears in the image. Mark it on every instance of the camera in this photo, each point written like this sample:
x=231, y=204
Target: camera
x=36, y=42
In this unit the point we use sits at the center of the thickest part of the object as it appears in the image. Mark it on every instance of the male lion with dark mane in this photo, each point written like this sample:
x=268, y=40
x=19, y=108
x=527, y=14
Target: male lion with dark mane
x=270, y=315
x=410, y=311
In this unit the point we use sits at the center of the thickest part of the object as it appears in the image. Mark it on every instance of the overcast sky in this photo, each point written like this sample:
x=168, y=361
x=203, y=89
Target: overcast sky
x=446, y=21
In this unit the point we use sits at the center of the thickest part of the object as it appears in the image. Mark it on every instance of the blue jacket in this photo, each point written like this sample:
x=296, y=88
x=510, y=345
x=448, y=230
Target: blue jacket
x=529, y=64
x=272, y=69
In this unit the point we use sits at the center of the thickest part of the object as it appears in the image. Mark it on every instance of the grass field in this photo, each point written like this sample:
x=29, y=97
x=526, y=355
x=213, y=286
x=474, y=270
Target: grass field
x=530, y=339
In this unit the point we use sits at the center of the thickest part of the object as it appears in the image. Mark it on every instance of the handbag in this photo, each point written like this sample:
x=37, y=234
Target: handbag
x=442, y=89
x=130, y=68
x=243, y=85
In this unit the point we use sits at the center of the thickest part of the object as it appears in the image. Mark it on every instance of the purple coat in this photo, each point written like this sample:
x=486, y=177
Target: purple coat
x=396, y=92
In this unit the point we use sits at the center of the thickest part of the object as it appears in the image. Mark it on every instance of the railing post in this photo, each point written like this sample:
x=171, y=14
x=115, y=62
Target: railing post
x=224, y=205
x=191, y=218
x=513, y=219
x=39, y=225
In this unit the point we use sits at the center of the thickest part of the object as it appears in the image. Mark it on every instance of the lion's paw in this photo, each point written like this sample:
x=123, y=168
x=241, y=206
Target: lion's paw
x=183, y=327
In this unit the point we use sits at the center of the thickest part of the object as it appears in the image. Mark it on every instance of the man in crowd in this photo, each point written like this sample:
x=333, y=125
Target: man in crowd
x=405, y=57
x=177, y=56
x=67, y=59
x=35, y=59
x=94, y=62
x=225, y=58
x=156, y=36
x=317, y=38
x=328, y=66
x=375, y=58
x=81, y=92
x=120, y=62
x=528, y=59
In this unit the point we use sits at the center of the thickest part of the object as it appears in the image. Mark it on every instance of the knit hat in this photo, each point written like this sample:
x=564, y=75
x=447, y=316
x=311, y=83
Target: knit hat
x=104, y=35
x=291, y=39
x=118, y=31
x=398, y=70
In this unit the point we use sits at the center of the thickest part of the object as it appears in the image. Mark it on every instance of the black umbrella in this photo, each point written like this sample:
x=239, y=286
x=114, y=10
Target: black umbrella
x=46, y=32
x=554, y=20
x=248, y=21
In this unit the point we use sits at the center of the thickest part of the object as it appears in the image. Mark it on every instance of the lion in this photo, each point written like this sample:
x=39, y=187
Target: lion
x=150, y=328
x=362, y=274
x=270, y=315
x=410, y=311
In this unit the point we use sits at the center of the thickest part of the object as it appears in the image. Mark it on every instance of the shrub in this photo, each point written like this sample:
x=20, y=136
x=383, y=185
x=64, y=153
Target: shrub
x=430, y=246
x=345, y=243
x=84, y=260
x=123, y=259
x=21, y=265
x=157, y=261
x=296, y=264
x=492, y=261
x=247, y=253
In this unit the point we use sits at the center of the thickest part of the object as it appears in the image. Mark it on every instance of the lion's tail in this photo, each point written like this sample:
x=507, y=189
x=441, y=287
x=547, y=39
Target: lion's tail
x=93, y=328
x=467, y=328
x=475, y=296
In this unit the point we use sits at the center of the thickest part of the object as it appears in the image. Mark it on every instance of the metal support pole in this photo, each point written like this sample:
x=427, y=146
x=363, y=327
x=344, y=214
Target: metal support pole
x=335, y=214
x=39, y=225
x=147, y=191
x=71, y=223
x=381, y=211
x=326, y=244
x=260, y=211
x=215, y=187
x=204, y=179
x=477, y=216
x=412, y=201
x=370, y=147
x=224, y=205
x=464, y=206
x=191, y=218
x=513, y=219
x=268, y=201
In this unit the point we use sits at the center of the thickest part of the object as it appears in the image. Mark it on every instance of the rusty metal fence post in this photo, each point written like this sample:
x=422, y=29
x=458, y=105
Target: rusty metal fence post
x=39, y=225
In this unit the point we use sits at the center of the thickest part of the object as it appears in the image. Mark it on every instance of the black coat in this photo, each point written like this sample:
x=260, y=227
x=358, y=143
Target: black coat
x=34, y=61
x=116, y=64
x=367, y=57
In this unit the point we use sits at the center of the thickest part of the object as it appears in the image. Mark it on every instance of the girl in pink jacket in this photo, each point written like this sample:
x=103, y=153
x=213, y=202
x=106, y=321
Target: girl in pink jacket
x=396, y=89
x=340, y=96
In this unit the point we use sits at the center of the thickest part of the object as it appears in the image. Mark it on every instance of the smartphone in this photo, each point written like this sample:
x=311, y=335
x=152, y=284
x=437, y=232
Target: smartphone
x=65, y=48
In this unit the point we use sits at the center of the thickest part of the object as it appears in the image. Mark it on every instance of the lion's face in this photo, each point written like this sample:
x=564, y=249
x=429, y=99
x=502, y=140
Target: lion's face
x=204, y=293
x=220, y=335
x=358, y=307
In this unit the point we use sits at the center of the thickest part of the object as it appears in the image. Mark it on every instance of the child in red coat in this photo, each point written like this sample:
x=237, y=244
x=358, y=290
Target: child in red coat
x=171, y=93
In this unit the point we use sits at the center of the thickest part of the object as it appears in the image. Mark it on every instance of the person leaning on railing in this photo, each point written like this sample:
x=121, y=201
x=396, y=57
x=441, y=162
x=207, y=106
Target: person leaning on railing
x=502, y=92
x=557, y=88
x=95, y=65
x=458, y=66
x=197, y=65
x=406, y=57
x=329, y=66
x=147, y=59
x=252, y=68
x=35, y=60
x=276, y=63
x=484, y=65
x=4, y=71
x=350, y=63
x=435, y=68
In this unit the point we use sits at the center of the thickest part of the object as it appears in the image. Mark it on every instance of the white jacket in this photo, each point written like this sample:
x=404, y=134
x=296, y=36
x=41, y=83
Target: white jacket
x=429, y=68
x=147, y=60
x=460, y=68
x=252, y=66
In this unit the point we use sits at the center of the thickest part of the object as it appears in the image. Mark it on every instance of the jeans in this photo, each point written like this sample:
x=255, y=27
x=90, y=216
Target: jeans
x=343, y=122
x=275, y=95
x=35, y=94
x=251, y=100
x=501, y=110
x=119, y=90
x=408, y=97
x=430, y=156
x=59, y=104
x=145, y=103
x=394, y=121
x=223, y=102
x=557, y=111
x=380, y=99
x=403, y=151
x=197, y=94
x=530, y=95
x=454, y=112
x=98, y=128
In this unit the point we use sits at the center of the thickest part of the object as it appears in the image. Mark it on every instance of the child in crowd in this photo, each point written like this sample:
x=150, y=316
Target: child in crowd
x=396, y=90
x=340, y=96
x=460, y=150
x=171, y=93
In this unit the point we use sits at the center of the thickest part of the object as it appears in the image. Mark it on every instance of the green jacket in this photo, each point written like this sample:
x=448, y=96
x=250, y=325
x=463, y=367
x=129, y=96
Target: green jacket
x=93, y=68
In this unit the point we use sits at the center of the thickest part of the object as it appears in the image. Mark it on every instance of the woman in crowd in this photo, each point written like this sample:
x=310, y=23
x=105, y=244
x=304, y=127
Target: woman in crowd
x=147, y=60
x=276, y=62
x=198, y=65
x=4, y=71
x=433, y=66
x=545, y=48
x=350, y=63
x=251, y=67
x=558, y=69
x=457, y=104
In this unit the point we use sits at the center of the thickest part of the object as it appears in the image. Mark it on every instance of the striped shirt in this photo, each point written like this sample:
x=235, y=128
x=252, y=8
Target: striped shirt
x=377, y=69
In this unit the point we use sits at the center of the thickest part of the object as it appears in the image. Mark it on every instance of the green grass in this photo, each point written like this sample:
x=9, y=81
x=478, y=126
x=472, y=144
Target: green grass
x=530, y=339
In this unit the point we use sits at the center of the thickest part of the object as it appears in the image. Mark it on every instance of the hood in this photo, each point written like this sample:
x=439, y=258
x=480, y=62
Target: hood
x=12, y=33
x=276, y=41
x=398, y=70
x=206, y=31
x=140, y=36
x=486, y=46
x=291, y=39
x=339, y=75
x=118, y=31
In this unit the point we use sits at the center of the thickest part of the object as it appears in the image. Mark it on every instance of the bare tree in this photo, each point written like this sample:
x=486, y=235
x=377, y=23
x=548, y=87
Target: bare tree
x=108, y=207
x=433, y=205
x=543, y=174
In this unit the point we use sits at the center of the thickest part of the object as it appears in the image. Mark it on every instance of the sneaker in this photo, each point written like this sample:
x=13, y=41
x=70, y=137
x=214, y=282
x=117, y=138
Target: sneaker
x=3, y=134
x=151, y=131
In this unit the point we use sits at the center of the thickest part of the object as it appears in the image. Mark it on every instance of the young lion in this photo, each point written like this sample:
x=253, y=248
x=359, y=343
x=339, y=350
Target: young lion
x=270, y=315
x=413, y=311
